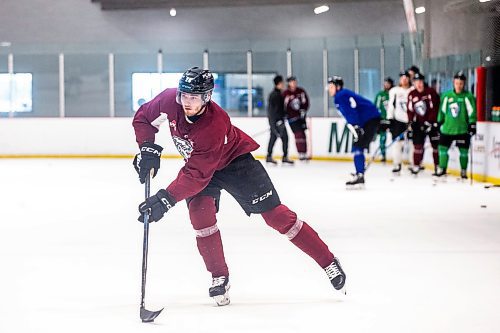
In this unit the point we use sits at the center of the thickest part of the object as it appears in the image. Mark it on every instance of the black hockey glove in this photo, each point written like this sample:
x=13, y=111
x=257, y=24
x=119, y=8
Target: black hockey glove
x=303, y=114
x=156, y=206
x=409, y=131
x=472, y=129
x=148, y=159
x=384, y=125
x=359, y=133
x=429, y=127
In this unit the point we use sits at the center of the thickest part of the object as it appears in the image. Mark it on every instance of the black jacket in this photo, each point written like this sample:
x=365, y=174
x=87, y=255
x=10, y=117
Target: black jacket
x=276, y=106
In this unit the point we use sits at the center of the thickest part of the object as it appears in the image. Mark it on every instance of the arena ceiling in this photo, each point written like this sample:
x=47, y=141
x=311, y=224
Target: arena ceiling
x=142, y=4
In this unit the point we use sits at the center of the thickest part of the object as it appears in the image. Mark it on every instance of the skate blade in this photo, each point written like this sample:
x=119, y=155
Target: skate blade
x=356, y=187
x=222, y=300
x=343, y=291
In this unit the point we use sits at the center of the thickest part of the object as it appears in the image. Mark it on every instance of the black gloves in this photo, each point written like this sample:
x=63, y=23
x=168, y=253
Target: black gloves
x=359, y=133
x=428, y=127
x=148, y=159
x=303, y=114
x=472, y=129
x=384, y=125
x=409, y=131
x=156, y=206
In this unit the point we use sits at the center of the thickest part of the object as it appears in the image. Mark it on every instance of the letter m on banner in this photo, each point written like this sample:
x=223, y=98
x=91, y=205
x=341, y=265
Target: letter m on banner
x=340, y=144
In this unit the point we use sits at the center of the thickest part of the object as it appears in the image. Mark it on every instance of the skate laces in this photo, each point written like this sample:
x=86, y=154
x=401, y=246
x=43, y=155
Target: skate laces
x=218, y=281
x=332, y=271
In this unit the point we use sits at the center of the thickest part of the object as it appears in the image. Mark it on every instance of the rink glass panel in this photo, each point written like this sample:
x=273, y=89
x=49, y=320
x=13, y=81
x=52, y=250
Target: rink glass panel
x=45, y=83
x=340, y=62
x=307, y=67
x=266, y=65
x=125, y=66
x=231, y=81
x=86, y=79
x=369, y=72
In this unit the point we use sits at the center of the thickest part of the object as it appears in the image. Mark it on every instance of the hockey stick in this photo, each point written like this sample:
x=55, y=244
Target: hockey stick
x=471, y=162
x=267, y=130
x=146, y=315
x=376, y=153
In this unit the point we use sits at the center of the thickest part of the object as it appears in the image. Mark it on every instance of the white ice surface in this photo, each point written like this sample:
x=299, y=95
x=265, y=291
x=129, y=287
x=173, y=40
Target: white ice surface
x=418, y=258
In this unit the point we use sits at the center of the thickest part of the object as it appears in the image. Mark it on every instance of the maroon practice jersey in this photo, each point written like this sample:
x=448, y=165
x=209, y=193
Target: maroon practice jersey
x=207, y=145
x=423, y=106
x=295, y=101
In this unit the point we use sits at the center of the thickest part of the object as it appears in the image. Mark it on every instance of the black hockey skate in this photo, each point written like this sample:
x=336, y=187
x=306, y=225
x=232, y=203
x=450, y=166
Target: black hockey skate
x=439, y=175
x=397, y=170
x=269, y=159
x=463, y=175
x=219, y=290
x=286, y=160
x=336, y=275
x=358, y=181
x=304, y=157
x=415, y=170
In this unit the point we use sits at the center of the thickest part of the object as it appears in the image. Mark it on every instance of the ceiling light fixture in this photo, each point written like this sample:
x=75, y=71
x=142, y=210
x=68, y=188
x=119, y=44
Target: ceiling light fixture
x=420, y=10
x=321, y=9
x=173, y=12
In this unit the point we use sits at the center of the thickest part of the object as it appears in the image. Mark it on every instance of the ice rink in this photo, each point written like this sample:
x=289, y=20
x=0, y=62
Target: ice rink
x=418, y=258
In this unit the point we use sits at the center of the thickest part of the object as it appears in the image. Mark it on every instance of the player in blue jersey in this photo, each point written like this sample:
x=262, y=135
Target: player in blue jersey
x=362, y=118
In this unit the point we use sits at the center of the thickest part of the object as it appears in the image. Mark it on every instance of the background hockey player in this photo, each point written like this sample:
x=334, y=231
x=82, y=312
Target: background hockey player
x=412, y=71
x=398, y=116
x=217, y=156
x=296, y=105
x=381, y=102
x=276, y=116
x=423, y=105
x=457, y=116
x=362, y=118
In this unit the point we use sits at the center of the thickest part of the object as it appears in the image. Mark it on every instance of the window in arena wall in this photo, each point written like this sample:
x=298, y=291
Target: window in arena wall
x=16, y=92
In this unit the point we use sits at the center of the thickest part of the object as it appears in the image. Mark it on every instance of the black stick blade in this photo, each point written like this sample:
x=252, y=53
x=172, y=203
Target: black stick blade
x=149, y=316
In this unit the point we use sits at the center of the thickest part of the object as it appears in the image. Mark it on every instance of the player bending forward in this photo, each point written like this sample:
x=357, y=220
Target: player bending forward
x=363, y=120
x=217, y=156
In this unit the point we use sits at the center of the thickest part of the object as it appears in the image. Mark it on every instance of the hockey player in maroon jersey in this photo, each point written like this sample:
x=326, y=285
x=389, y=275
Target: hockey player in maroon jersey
x=217, y=156
x=296, y=105
x=423, y=106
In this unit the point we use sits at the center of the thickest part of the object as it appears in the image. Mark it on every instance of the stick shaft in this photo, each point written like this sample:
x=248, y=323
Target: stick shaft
x=145, y=244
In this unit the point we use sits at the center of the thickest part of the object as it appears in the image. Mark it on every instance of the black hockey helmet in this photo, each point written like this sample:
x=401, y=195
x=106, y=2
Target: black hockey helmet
x=336, y=80
x=414, y=69
x=404, y=73
x=389, y=80
x=419, y=76
x=460, y=75
x=196, y=81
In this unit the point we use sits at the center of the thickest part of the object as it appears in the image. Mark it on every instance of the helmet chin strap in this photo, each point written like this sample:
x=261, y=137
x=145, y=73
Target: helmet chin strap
x=199, y=113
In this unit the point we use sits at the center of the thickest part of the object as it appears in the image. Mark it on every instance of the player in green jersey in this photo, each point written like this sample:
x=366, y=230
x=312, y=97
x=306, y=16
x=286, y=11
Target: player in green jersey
x=381, y=101
x=457, y=116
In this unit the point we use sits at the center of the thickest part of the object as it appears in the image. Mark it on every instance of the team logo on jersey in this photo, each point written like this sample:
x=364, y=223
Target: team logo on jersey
x=454, y=109
x=420, y=108
x=386, y=104
x=184, y=146
x=402, y=105
x=295, y=104
x=173, y=124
